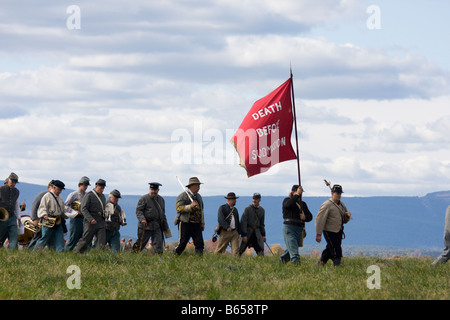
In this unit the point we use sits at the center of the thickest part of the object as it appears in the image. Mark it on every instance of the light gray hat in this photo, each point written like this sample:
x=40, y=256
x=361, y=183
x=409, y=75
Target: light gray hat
x=85, y=180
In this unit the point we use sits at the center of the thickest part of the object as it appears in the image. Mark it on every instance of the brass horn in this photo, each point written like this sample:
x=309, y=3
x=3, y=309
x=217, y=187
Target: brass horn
x=76, y=205
x=50, y=222
x=4, y=214
x=29, y=229
x=29, y=225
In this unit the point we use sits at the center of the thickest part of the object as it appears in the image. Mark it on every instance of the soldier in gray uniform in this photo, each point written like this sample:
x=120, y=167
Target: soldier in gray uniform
x=151, y=214
x=9, y=200
x=76, y=223
x=253, y=232
x=445, y=256
x=92, y=208
x=114, y=219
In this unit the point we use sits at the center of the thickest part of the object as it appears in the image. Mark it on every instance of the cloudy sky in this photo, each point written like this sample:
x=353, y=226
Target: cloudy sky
x=139, y=91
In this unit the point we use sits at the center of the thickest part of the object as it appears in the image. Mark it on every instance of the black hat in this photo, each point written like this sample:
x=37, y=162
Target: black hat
x=256, y=195
x=59, y=184
x=115, y=193
x=155, y=185
x=231, y=195
x=101, y=183
x=337, y=189
x=295, y=187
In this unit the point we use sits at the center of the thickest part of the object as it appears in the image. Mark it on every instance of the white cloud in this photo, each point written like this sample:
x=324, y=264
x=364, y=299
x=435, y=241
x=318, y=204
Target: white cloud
x=105, y=101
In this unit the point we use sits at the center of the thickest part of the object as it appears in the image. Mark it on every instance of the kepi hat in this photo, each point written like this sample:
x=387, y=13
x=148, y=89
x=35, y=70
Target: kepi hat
x=59, y=184
x=101, y=183
x=155, y=185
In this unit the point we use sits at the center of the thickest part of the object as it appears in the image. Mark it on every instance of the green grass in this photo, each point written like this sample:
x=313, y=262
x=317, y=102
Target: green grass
x=124, y=276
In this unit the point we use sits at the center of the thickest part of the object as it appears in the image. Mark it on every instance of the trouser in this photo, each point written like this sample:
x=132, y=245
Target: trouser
x=53, y=235
x=89, y=231
x=113, y=240
x=445, y=255
x=33, y=241
x=292, y=238
x=333, y=250
x=187, y=230
x=252, y=241
x=9, y=229
x=227, y=237
x=144, y=236
x=75, y=233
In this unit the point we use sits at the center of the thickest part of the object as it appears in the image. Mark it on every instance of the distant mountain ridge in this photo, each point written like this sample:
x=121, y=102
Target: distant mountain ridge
x=406, y=222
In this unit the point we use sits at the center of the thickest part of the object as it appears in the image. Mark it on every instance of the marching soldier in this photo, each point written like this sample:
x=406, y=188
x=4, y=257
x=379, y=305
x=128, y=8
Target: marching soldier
x=9, y=202
x=151, y=214
x=253, y=230
x=445, y=255
x=76, y=223
x=92, y=209
x=295, y=214
x=228, y=218
x=190, y=217
x=34, y=215
x=52, y=207
x=115, y=218
x=330, y=220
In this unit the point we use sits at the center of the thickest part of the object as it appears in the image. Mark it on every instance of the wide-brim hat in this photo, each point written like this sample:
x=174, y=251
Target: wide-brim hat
x=193, y=180
x=231, y=195
x=337, y=189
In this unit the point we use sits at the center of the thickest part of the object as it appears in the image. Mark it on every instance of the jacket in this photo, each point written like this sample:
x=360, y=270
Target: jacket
x=252, y=221
x=223, y=213
x=291, y=211
x=91, y=208
x=184, y=211
x=331, y=217
x=52, y=206
x=153, y=210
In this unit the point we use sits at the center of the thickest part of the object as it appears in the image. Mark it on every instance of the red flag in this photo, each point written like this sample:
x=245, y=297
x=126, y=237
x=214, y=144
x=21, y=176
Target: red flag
x=264, y=137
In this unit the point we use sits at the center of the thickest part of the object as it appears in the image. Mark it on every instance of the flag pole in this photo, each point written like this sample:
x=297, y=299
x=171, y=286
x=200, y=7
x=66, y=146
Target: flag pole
x=295, y=122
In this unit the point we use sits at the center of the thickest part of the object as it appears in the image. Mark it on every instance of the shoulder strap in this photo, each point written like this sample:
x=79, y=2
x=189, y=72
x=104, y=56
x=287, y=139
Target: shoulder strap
x=229, y=215
x=101, y=203
x=339, y=208
x=57, y=202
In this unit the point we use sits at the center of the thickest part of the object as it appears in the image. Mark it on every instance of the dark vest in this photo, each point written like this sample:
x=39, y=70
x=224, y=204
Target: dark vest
x=8, y=198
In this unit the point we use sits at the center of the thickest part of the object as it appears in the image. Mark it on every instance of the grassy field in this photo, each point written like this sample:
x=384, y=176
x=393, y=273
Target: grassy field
x=125, y=276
